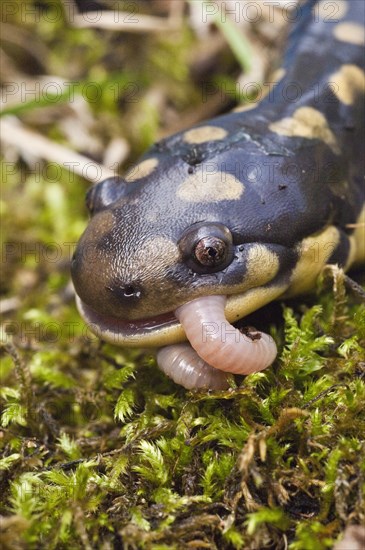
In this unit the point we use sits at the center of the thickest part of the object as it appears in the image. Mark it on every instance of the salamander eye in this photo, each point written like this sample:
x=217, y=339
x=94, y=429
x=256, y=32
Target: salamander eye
x=207, y=247
x=210, y=251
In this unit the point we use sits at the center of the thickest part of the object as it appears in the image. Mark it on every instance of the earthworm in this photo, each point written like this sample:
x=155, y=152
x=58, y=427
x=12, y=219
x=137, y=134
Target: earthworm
x=181, y=363
x=218, y=343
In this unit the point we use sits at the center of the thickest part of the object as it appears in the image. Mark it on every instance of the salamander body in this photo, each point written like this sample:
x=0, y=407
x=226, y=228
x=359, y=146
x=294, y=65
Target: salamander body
x=250, y=205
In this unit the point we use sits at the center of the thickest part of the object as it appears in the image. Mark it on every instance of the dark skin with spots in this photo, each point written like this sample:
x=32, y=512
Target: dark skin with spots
x=134, y=262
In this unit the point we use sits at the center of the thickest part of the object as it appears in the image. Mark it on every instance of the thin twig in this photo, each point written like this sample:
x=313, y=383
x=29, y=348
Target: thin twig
x=39, y=146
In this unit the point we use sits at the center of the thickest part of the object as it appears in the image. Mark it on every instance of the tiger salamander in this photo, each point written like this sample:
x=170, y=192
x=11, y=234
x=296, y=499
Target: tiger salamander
x=217, y=221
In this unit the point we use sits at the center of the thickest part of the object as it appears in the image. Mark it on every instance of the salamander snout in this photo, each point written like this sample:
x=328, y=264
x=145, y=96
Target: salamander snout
x=103, y=285
x=120, y=271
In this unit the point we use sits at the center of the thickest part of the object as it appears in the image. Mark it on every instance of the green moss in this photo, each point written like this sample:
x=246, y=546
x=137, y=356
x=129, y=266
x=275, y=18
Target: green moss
x=259, y=458
x=99, y=448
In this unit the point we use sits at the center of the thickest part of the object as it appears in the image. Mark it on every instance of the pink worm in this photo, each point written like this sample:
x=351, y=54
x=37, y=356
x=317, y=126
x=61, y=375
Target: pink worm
x=216, y=343
x=181, y=363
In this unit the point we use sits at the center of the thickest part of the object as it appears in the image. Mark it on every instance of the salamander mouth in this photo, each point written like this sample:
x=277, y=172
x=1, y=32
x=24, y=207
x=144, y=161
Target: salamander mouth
x=142, y=332
x=165, y=329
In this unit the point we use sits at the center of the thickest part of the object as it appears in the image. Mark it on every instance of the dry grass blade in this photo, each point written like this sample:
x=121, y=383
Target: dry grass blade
x=26, y=140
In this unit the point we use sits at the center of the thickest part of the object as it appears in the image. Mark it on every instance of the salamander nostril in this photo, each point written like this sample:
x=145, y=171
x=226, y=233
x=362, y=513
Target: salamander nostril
x=125, y=292
x=130, y=291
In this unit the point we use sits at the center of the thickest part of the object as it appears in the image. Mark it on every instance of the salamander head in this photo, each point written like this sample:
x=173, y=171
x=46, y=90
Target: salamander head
x=173, y=231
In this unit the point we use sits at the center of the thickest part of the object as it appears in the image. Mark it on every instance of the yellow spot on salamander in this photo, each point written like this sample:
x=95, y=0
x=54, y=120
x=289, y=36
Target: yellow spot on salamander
x=308, y=123
x=314, y=252
x=240, y=305
x=261, y=268
x=262, y=265
x=353, y=33
x=210, y=187
x=141, y=170
x=348, y=83
x=330, y=10
x=160, y=250
x=204, y=133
